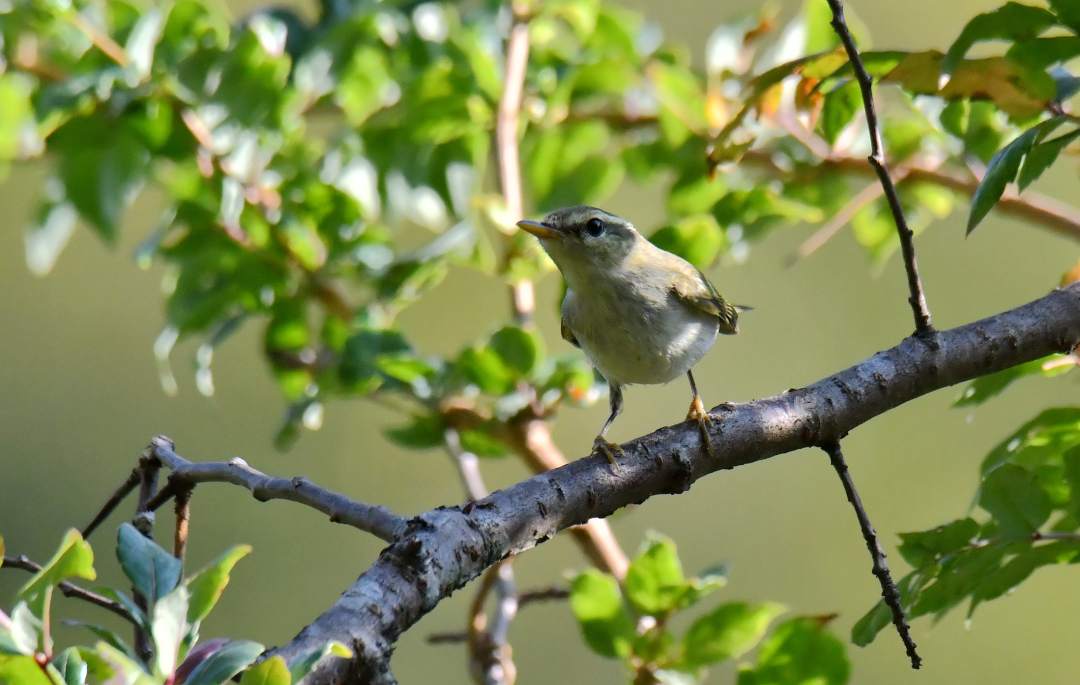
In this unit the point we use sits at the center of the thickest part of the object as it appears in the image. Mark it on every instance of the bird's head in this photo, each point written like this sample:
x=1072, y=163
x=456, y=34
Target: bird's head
x=584, y=241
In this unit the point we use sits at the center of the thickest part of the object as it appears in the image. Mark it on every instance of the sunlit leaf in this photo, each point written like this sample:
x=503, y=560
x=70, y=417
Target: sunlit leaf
x=799, y=651
x=207, y=585
x=605, y=622
x=273, y=671
x=728, y=631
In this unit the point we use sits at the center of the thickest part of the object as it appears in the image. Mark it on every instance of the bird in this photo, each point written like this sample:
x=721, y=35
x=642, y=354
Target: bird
x=641, y=314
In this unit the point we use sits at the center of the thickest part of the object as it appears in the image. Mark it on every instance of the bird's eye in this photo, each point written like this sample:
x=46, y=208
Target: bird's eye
x=594, y=227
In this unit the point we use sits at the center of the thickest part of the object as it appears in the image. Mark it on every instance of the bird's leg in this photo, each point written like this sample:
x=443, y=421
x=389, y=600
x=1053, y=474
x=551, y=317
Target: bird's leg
x=697, y=413
x=610, y=449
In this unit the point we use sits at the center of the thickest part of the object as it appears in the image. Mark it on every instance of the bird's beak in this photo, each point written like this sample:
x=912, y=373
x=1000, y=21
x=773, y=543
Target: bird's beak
x=538, y=229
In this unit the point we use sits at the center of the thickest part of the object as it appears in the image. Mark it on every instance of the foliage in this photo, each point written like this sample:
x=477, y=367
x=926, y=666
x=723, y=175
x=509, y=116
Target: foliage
x=170, y=619
x=633, y=623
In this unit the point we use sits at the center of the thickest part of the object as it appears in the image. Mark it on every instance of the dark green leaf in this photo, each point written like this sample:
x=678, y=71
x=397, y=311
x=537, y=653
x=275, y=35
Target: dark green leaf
x=1071, y=459
x=104, y=634
x=841, y=104
x=985, y=387
x=1041, y=156
x=1010, y=21
x=1014, y=498
x=866, y=628
x=207, y=585
x=925, y=547
x=1068, y=12
x=1039, y=53
x=226, y=662
x=71, y=666
x=799, y=651
x=728, y=631
x=604, y=620
x=359, y=364
x=954, y=117
x=153, y=571
x=482, y=443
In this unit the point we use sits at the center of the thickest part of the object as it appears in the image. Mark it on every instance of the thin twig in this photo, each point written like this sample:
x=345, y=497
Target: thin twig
x=374, y=519
x=101, y=40
x=110, y=504
x=543, y=594
x=182, y=507
x=148, y=469
x=881, y=569
x=70, y=589
x=916, y=297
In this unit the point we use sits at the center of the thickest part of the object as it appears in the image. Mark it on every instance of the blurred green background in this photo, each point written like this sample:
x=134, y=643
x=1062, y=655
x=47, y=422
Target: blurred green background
x=81, y=397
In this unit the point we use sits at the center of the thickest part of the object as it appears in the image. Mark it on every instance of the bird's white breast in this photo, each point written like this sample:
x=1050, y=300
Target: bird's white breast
x=633, y=333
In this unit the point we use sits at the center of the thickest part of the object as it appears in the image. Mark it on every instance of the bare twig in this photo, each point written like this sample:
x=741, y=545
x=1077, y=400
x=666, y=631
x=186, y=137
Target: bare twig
x=373, y=519
x=831, y=227
x=71, y=589
x=144, y=521
x=114, y=500
x=543, y=594
x=916, y=297
x=881, y=569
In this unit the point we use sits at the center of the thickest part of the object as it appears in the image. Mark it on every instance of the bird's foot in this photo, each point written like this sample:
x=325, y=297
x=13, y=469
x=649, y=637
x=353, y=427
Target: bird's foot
x=610, y=450
x=704, y=421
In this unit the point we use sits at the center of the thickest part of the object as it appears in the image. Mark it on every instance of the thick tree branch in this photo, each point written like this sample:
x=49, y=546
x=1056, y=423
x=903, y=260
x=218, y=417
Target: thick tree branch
x=443, y=549
x=881, y=568
x=373, y=519
x=916, y=297
x=70, y=589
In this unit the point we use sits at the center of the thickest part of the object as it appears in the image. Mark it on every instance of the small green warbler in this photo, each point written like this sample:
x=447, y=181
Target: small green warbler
x=640, y=314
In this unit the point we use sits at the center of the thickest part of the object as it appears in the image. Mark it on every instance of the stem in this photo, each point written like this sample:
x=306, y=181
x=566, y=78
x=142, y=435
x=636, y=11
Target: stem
x=114, y=500
x=916, y=297
x=70, y=589
x=881, y=569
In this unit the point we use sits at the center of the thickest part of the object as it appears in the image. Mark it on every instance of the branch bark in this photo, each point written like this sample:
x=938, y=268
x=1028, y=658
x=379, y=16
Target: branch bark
x=70, y=589
x=374, y=519
x=443, y=549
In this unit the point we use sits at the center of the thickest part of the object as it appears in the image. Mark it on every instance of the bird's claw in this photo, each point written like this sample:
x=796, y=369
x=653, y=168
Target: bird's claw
x=610, y=450
x=704, y=421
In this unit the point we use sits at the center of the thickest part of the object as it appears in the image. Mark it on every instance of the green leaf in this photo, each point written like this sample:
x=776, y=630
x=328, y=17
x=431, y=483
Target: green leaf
x=73, y=559
x=925, y=547
x=654, y=580
x=73, y=669
x=519, y=349
x=302, y=240
x=359, y=363
x=168, y=628
x=486, y=369
x=422, y=432
x=1012, y=495
x=1002, y=170
x=1041, y=439
x=698, y=239
x=483, y=443
x=104, y=634
x=874, y=621
x=303, y=664
x=1039, y=53
x=1041, y=156
x=153, y=571
x=102, y=167
x=22, y=670
x=1011, y=21
x=273, y=671
x=207, y=585
x=1071, y=460
x=16, y=114
x=985, y=387
x=799, y=651
x=26, y=629
x=841, y=104
x=1068, y=12
x=605, y=623
x=729, y=631
x=226, y=662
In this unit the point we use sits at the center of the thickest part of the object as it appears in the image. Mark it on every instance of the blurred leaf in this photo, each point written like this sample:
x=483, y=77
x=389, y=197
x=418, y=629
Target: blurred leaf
x=48, y=235
x=1044, y=437
x=605, y=623
x=141, y=42
x=422, y=432
x=73, y=559
x=1002, y=170
x=169, y=627
x=1039, y=53
x=1068, y=12
x=923, y=548
x=22, y=670
x=207, y=585
x=359, y=364
x=984, y=132
x=841, y=104
x=986, y=387
x=728, y=631
x=72, y=667
x=104, y=634
x=483, y=443
x=225, y=663
x=654, y=581
x=486, y=369
x=303, y=664
x=1071, y=462
x=273, y=671
x=153, y=571
x=519, y=349
x=800, y=651
x=874, y=621
x=303, y=242
x=1011, y=21
x=1013, y=497
x=697, y=239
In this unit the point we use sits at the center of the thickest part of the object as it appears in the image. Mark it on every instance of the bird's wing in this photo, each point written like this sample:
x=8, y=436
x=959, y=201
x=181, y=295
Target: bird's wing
x=693, y=288
x=567, y=334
